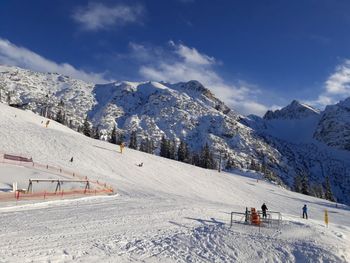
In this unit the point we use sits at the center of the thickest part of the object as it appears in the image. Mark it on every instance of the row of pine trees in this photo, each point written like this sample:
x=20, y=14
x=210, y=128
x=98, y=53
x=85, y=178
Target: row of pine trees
x=302, y=185
x=168, y=148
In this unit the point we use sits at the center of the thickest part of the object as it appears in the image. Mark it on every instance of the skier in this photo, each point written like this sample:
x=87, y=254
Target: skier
x=140, y=165
x=71, y=159
x=47, y=123
x=264, y=208
x=305, y=211
x=122, y=145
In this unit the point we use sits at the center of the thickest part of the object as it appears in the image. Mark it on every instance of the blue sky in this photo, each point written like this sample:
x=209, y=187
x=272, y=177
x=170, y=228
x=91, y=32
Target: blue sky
x=255, y=55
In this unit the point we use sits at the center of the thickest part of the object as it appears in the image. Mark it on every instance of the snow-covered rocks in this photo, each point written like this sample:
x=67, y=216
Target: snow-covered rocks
x=334, y=126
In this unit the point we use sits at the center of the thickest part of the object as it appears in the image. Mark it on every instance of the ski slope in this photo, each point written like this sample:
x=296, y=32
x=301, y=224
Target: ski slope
x=165, y=211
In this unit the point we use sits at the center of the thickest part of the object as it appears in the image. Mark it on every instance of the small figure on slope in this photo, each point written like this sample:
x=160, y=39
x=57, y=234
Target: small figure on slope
x=264, y=209
x=140, y=165
x=47, y=123
x=122, y=145
x=71, y=159
x=305, y=211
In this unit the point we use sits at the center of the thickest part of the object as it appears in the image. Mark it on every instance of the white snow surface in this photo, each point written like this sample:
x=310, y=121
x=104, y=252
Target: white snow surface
x=165, y=211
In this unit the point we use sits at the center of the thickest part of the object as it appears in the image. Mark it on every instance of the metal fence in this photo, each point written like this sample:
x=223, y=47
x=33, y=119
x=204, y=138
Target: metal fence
x=272, y=219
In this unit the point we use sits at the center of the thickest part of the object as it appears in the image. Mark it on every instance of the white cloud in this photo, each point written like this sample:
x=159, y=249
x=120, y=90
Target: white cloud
x=96, y=16
x=13, y=55
x=183, y=63
x=337, y=86
x=191, y=55
x=339, y=82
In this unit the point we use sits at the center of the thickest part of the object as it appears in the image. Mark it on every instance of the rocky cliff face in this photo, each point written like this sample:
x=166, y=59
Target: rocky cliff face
x=334, y=126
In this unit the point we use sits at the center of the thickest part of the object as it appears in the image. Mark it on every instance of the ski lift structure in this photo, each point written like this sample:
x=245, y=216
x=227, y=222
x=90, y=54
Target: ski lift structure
x=59, y=183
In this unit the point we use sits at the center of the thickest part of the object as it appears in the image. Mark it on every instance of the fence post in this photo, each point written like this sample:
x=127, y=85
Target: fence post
x=246, y=215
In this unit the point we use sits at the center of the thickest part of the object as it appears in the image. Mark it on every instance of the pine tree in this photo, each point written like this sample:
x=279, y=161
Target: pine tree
x=182, y=152
x=297, y=183
x=317, y=190
x=133, y=140
x=113, y=135
x=328, y=190
x=87, y=127
x=144, y=145
x=60, y=117
x=172, y=150
x=96, y=133
x=120, y=138
x=164, y=147
x=150, y=146
x=305, y=184
x=8, y=98
x=70, y=123
x=1, y=92
x=255, y=166
x=195, y=159
x=229, y=164
x=206, y=158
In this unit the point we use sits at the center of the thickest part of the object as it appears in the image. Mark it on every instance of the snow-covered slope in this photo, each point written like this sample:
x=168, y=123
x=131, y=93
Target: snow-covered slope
x=166, y=211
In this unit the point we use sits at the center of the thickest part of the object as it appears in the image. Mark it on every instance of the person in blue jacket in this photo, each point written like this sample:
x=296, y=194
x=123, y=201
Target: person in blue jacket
x=305, y=211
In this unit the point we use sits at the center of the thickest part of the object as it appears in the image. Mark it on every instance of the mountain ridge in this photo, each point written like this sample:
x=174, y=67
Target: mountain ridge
x=184, y=111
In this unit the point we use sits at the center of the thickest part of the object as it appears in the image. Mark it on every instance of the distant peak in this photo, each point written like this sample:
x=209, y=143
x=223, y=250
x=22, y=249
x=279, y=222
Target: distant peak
x=195, y=85
x=345, y=103
x=295, y=103
x=295, y=110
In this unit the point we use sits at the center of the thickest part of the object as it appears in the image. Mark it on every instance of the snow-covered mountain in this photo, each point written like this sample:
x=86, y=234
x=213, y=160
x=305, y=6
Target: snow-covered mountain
x=43, y=92
x=294, y=132
x=294, y=140
x=182, y=111
x=295, y=110
x=334, y=126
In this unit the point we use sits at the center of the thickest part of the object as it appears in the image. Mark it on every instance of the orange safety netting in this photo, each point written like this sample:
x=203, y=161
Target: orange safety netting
x=101, y=188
